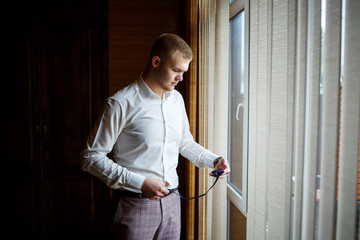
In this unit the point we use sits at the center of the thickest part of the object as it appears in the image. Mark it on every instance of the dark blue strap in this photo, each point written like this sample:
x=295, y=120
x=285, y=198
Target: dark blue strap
x=216, y=173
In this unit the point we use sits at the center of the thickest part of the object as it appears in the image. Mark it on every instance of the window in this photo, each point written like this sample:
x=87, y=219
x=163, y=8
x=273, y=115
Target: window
x=238, y=114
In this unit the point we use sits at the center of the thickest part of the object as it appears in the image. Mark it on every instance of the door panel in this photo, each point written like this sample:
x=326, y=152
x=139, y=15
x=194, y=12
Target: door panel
x=72, y=198
x=56, y=79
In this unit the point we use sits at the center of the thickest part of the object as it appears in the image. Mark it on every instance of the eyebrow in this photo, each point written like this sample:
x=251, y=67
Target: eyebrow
x=180, y=69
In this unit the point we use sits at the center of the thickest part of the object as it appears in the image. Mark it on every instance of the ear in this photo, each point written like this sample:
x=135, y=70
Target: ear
x=155, y=61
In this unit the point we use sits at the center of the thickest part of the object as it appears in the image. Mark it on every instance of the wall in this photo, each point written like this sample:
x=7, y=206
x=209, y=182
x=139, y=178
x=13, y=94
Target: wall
x=133, y=27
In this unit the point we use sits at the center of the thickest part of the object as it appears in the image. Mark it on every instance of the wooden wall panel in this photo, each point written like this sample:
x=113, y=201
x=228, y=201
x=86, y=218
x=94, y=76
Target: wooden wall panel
x=237, y=224
x=133, y=27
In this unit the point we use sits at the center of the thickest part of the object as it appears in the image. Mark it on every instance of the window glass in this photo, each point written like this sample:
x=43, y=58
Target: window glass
x=236, y=100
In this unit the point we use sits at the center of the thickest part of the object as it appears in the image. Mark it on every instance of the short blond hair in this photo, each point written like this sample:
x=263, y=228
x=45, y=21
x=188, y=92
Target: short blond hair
x=167, y=44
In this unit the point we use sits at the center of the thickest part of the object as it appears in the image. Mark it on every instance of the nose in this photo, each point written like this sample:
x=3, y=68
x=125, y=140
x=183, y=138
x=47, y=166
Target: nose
x=179, y=77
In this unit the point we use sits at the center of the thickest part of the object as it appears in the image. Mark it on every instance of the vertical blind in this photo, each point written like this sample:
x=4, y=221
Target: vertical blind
x=213, y=94
x=304, y=119
x=271, y=114
x=329, y=149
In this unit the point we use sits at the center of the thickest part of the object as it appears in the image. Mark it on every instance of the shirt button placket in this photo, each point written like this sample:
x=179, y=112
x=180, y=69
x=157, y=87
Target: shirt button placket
x=164, y=141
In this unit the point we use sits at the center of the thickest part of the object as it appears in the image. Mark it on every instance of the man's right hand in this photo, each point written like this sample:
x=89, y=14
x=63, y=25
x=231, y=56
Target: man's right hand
x=153, y=188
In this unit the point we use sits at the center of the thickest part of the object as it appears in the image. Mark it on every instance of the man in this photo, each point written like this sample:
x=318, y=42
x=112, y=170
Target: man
x=146, y=126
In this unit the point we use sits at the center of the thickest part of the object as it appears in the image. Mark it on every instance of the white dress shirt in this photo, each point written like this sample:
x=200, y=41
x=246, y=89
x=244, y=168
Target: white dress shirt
x=146, y=134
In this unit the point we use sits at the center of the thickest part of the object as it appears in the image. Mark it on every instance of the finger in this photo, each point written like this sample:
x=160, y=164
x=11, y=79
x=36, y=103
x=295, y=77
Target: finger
x=164, y=191
x=155, y=197
x=224, y=174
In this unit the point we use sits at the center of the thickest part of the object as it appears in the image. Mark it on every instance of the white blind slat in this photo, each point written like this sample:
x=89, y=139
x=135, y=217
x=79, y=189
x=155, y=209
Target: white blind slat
x=329, y=146
x=349, y=129
x=312, y=120
x=299, y=134
x=253, y=66
x=279, y=113
x=220, y=96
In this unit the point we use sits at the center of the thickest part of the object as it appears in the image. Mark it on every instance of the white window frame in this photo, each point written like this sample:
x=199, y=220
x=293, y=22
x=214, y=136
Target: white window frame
x=240, y=201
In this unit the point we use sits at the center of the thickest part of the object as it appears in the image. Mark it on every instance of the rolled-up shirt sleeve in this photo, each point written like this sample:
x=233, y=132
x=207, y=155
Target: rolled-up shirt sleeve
x=100, y=142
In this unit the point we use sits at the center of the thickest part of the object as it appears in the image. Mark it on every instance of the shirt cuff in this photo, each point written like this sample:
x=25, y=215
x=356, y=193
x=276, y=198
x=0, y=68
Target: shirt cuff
x=136, y=180
x=209, y=159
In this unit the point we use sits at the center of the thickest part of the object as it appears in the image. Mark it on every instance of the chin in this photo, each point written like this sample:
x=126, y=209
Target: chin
x=170, y=88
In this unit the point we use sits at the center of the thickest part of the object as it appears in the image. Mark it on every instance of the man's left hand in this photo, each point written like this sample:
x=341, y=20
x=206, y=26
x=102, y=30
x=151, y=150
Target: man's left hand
x=223, y=164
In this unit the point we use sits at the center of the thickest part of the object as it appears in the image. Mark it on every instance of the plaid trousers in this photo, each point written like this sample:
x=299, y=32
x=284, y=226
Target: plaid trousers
x=145, y=219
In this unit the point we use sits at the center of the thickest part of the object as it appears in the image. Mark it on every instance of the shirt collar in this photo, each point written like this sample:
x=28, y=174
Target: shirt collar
x=147, y=92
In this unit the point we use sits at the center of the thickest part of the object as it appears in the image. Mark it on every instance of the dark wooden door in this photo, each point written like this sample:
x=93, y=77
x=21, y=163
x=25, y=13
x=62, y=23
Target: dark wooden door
x=57, y=80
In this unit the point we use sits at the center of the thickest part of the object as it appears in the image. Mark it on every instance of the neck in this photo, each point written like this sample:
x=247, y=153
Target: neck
x=150, y=80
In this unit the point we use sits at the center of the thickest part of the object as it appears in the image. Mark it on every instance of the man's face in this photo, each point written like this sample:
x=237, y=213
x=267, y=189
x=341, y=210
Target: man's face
x=170, y=72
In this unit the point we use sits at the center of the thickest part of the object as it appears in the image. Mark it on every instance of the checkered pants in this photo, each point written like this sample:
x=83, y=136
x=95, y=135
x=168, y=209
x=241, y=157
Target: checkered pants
x=145, y=219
